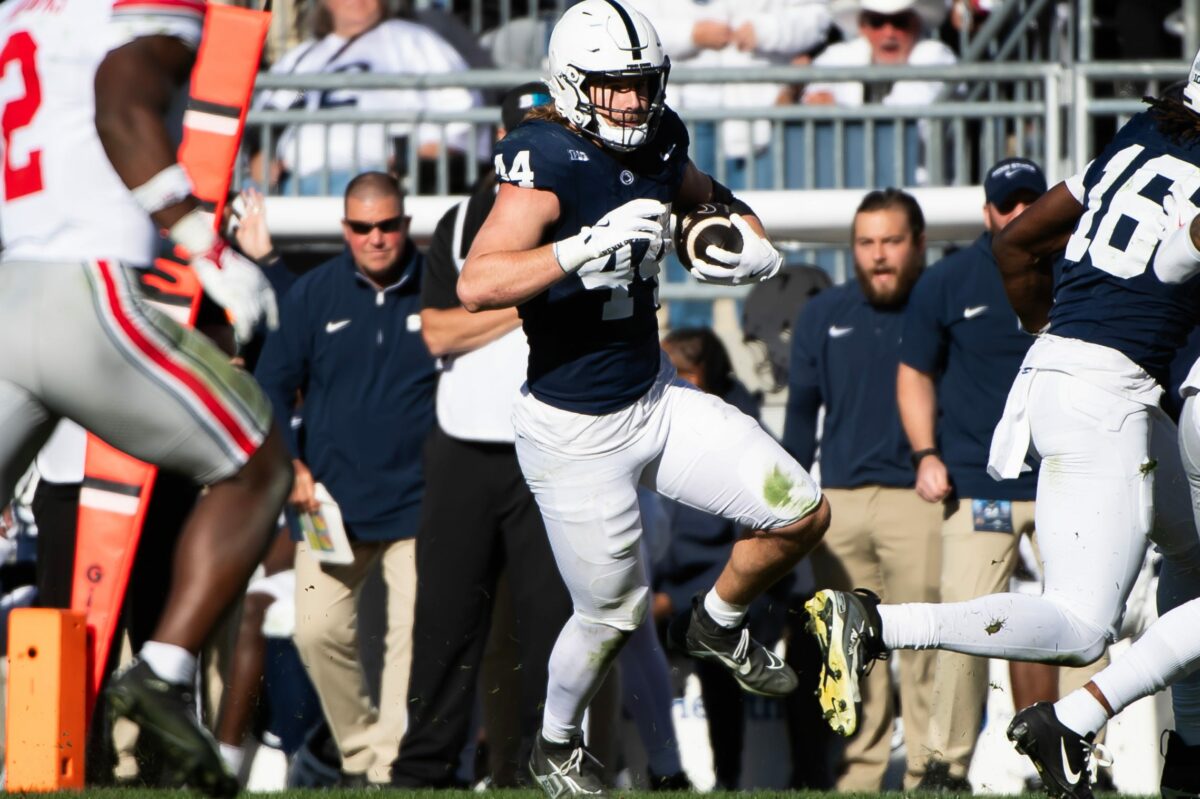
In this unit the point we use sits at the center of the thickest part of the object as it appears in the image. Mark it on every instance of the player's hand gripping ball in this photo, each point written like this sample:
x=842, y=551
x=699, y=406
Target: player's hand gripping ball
x=705, y=225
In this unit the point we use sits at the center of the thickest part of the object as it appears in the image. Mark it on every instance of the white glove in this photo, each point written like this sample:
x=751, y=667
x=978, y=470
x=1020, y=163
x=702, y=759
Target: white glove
x=636, y=220
x=229, y=278
x=758, y=260
x=1177, y=258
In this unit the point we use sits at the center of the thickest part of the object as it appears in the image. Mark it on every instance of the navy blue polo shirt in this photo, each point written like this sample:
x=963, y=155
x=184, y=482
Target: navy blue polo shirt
x=960, y=328
x=845, y=353
x=356, y=353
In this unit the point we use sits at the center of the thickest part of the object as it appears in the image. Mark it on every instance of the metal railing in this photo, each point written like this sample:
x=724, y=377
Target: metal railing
x=809, y=146
x=1052, y=113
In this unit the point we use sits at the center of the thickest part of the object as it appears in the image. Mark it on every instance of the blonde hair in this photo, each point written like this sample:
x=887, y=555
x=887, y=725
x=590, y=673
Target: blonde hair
x=546, y=113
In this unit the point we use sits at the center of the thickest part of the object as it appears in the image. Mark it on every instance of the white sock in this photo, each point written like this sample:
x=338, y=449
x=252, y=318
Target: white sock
x=580, y=660
x=233, y=757
x=1166, y=652
x=172, y=663
x=1013, y=626
x=1080, y=711
x=724, y=613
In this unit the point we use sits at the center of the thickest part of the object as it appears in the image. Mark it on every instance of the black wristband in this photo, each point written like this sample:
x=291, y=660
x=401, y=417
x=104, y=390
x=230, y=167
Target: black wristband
x=917, y=456
x=271, y=257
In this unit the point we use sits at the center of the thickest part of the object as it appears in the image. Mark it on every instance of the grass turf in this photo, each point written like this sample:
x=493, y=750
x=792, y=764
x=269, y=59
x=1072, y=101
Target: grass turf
x=346, y=793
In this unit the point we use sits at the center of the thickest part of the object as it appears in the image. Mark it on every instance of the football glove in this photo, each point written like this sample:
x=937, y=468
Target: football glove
x=229, y=278
x=758, y=260
x=636, y=220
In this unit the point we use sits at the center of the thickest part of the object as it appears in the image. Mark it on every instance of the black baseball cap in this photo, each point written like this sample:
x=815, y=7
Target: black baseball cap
x=517, y=102
x=1011, y=175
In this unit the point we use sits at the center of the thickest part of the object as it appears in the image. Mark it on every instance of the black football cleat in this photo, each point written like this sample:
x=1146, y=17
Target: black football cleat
x=1181, y=771
x=565, y=769
x=1060, y=755
x=757, y=669
x=848, y=630
x=167, y=712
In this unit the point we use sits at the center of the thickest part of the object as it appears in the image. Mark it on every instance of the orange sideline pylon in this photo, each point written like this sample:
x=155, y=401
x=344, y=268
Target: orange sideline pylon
x=46, y=729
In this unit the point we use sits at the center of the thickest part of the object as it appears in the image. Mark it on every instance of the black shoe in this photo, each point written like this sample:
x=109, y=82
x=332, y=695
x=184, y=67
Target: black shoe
x=565, y=769
x=756, y=669
x=937, y=779
x=166, y=712
x=1060, y=755
x=849, y=632
x=669, y=782
x=1180, y=775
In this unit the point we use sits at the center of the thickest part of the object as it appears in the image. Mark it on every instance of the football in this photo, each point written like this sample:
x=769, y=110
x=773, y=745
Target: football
x=705, y=225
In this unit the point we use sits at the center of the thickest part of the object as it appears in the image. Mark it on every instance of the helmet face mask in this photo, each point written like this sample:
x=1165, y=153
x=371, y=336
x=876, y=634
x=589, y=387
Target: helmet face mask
x=602, y=53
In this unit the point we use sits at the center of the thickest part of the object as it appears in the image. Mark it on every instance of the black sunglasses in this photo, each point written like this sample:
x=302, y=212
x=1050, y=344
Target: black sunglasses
x=875, y=20
x=390, y=225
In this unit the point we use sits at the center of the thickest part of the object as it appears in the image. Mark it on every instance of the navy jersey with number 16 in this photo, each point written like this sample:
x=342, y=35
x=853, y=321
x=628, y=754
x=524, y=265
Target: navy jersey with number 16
x=1108, y=292
x=593, y=340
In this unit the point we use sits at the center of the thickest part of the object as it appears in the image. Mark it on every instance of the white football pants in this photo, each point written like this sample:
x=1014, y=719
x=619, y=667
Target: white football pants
x=1111, y=481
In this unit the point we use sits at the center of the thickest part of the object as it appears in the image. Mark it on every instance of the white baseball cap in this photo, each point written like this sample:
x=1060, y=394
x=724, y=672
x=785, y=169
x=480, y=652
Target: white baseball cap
x=845, y=12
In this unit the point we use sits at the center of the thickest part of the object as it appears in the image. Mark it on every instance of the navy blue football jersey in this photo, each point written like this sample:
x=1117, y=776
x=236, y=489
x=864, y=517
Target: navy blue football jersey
x=1107, y=292
x=593, y=342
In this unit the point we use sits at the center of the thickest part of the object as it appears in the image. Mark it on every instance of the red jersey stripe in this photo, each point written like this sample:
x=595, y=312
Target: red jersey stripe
x=211, y=402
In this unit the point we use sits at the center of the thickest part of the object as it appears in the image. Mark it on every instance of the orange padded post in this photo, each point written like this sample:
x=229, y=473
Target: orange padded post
x=47, y=674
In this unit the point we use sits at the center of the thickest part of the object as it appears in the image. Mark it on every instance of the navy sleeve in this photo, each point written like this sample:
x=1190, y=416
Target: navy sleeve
x=439, y=284
x=804, y=387
x=282, y=368
x=534, y=156
x=923, y=344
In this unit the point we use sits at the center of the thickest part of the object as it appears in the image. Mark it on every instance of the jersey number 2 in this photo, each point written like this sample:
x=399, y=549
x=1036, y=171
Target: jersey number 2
x=20, y=181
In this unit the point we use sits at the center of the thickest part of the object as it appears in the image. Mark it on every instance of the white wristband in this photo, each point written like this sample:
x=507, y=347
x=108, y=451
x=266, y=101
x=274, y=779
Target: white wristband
x=571, y=253
x=1177, y=258
x=194, y=232
x=165, y=189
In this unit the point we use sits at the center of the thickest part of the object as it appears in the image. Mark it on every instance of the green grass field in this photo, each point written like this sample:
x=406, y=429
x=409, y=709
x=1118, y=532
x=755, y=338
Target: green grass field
x=147, y=793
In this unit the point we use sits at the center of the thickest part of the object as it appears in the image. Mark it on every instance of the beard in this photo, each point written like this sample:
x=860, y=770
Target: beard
x=895, y=294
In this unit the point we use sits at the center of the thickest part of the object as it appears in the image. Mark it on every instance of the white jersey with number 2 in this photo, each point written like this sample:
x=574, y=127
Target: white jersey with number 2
x=60, y=198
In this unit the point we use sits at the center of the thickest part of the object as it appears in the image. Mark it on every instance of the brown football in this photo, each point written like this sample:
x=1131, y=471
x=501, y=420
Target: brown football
x=705, y=225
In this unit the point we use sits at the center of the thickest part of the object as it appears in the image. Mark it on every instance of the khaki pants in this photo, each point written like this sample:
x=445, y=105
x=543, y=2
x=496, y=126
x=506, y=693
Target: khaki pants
x=887, y=540
x=974, y=564
x=327, y=639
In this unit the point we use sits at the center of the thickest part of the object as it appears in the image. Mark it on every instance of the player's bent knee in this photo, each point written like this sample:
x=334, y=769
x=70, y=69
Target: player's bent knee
x=809, y=528
x=625, y=613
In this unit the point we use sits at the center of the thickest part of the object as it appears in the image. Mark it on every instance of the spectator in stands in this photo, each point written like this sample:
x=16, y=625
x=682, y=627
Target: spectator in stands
x=352, y=37
x=479, y=517
x=886, y=33
x=961, y=349
x=350, y=341
x=733, y=34
x=698, y=549
x=845, y=352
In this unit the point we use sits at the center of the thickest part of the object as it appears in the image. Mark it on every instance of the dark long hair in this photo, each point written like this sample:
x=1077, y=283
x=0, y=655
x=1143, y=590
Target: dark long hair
x=700, y=347
x=1177, y=121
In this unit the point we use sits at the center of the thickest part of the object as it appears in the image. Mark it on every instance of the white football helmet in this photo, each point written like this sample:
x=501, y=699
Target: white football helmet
x=605, y=42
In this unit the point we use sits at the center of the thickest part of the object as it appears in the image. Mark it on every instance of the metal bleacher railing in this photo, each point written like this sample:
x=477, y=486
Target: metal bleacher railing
x=1048, y=112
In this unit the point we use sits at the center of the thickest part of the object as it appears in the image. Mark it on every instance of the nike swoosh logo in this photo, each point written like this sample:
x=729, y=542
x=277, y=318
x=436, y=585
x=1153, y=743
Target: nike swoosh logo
x=333, y=327
x=741, y=668
x=973, y=311
x=667, y=154
x=1071, y=775
x=838, y=332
